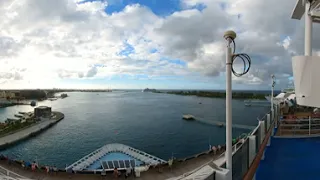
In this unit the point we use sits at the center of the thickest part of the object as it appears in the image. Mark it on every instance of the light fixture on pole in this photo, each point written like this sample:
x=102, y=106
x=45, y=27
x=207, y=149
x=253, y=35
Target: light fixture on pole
x=273, y=83
x=230, y=58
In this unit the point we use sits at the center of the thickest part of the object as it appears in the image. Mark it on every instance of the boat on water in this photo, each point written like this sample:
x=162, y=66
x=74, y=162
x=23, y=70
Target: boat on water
x=250, y=103
x=52, y=99
x=33, y=103
x=149, y=90
x=220, y=124
x=18, y=115
x=64, y=95
x=188, y=117
x=118, y=156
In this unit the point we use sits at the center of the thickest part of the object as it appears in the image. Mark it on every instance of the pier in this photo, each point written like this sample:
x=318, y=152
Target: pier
x=223, y=124
x=14, y=137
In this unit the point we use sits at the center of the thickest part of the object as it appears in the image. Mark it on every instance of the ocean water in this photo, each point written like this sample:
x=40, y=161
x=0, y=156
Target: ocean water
x=150, y=122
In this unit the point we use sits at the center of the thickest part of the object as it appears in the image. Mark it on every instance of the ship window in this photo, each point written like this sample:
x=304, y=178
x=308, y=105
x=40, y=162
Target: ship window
x=121, y=163
x=132, y=163
x=116, y=164
x=127, y=163
x=105, y=165
x=110, y=164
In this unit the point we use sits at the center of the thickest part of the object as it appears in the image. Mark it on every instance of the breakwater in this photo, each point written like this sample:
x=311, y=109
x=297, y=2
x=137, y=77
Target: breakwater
x=13, y=138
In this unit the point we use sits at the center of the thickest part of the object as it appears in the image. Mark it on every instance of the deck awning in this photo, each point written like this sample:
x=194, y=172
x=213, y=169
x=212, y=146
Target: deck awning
x=299, y=10
x=280, y=96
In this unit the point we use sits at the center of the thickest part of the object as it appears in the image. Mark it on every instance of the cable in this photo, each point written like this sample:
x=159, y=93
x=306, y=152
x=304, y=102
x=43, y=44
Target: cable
x=245, y=59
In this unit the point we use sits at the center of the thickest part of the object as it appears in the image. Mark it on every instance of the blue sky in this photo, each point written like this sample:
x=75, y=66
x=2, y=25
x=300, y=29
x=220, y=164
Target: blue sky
x=161, y=8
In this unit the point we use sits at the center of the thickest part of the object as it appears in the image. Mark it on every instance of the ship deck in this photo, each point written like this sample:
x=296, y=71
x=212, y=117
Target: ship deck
x=113, y=156
x=165, y=172
x=291, y=158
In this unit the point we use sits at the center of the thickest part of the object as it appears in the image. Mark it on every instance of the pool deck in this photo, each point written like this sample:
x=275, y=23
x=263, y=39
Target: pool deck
x=15, y=137
x=177, y=169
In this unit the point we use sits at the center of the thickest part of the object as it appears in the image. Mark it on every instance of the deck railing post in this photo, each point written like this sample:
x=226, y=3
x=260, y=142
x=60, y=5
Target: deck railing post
x=309, y=125
x=268, y=126
x=275, y=116
x=263, y=134
x=252, y=148
x=262, y=130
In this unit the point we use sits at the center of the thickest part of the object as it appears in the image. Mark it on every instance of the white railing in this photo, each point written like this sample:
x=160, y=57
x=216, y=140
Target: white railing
x=244, y=152
x=6, y=174
x=89, y=159
x=300, y=127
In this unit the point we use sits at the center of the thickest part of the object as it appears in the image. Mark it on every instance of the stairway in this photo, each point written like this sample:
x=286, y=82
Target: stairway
x=292, y=159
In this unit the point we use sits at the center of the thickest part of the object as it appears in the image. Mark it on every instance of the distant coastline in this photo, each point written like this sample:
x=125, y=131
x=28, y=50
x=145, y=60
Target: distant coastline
x=211, y=94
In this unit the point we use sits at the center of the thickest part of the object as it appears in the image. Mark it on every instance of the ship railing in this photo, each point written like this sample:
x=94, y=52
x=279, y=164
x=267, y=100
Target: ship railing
x=299, y=127
x=247, y=153
x=250, y=151
x=89, y=159
x=9, y=175
x=258, y=140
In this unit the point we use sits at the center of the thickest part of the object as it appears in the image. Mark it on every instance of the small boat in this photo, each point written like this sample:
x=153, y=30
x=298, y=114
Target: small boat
x=149, y=90
x=220, y=124
x=188, y=117
x=18, y=115
x=33, y=103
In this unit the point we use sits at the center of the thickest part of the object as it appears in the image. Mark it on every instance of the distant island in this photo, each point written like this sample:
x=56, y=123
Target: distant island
x=150, y=90
x=235, y=95
x=41, y=94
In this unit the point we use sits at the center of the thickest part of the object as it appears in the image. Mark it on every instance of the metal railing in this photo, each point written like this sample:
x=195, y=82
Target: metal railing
x=308, y=126
x=247, y=158
x=7, y=174
x=262, y=137
x=247, y=155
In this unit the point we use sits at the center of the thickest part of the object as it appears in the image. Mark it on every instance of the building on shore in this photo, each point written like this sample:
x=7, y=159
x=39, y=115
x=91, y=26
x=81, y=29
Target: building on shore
x=42, y=112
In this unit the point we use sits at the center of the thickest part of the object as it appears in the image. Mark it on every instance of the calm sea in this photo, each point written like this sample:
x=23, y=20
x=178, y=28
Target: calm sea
x=150, y=122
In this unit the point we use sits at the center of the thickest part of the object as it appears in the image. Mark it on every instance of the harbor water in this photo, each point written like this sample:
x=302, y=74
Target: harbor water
x=151, y=122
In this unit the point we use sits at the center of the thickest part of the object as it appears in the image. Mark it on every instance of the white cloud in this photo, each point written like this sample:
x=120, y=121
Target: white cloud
x=43, y=41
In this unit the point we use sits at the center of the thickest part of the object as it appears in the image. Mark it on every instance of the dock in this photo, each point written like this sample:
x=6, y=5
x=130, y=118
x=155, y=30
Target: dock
x=223, y=124
x=15, y=137
x=189, y=117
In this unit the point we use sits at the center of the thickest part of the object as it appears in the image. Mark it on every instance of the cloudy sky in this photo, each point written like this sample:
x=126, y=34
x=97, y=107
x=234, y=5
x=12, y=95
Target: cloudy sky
x=145, y=43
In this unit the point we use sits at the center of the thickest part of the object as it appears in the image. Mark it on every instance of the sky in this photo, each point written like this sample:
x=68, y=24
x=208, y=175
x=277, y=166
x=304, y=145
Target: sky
x=134, y=44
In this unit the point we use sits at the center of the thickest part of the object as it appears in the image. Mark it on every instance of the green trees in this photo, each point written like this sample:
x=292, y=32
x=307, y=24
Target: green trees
x=235, y=95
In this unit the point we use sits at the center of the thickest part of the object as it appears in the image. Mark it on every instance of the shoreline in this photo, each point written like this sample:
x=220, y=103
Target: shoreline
x=208, y=94
x=29, y=131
